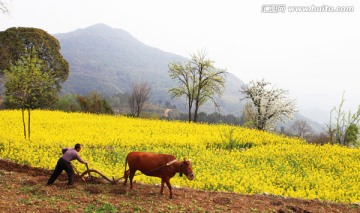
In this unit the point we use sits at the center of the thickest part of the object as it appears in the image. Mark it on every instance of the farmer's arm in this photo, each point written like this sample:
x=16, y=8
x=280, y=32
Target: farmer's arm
x=80, y=159
x=72, y=154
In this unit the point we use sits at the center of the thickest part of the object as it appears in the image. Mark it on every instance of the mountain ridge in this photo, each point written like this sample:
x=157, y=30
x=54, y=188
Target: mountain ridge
x=108, y=60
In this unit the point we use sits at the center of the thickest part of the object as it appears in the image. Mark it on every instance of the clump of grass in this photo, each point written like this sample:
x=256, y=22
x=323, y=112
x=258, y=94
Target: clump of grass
x=230, y=141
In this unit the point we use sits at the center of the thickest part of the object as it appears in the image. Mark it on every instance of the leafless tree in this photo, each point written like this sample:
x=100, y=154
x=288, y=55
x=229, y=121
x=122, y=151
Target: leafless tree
x=330, y=129
x=3, y=7
x=337, y=131
x=320, y=138
x=301, y=129
x=138, y=97
x=199, y=81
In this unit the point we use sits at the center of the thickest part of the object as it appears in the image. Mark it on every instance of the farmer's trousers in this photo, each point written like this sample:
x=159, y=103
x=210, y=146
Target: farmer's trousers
x=60, y=166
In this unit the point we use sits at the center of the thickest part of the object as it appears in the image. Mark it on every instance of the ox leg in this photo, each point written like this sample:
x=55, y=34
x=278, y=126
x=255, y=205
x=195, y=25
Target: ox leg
x=126, y=175
x=162, y=186
x=132, y=174
x=167, y=181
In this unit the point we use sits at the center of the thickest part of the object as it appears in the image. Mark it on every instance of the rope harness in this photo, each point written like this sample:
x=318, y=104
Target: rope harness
x=167, y=164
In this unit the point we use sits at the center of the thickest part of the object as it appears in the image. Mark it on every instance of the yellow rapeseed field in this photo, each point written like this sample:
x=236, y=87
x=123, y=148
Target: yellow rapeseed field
x=224, y=158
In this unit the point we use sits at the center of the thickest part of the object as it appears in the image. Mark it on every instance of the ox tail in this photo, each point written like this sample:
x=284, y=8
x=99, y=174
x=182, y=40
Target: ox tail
x=126, y=161
x=126, y=172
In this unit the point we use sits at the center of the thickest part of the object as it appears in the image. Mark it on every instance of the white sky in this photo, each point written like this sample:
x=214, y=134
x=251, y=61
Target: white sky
x=316, y=56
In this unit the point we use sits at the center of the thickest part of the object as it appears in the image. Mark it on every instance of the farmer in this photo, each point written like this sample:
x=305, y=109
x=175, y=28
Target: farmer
x=63, y=163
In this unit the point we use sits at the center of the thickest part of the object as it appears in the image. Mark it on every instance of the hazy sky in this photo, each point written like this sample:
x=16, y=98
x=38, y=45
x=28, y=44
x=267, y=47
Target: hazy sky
x=314, y=55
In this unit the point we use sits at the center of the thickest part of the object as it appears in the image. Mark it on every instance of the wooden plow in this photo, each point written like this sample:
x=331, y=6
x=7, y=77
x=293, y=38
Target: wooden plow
x=90, y=177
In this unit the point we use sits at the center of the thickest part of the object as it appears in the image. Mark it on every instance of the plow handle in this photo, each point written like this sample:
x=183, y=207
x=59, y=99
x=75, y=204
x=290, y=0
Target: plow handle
x=87, y=168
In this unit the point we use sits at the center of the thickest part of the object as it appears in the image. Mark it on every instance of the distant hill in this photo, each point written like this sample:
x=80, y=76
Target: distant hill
x=317, y=114
x=109, y=60
x=316, y=127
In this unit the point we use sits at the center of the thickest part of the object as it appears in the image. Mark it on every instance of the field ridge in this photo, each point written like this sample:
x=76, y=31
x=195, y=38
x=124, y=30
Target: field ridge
x=24, y=190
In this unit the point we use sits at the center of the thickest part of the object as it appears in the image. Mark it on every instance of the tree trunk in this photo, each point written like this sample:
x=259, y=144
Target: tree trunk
x=190, y=111
x=23, y=120
x=29, y=123
x=196, y=113
x=197, y=98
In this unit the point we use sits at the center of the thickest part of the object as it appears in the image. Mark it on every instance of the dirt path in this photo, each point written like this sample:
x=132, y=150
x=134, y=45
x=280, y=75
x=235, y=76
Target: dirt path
x=24, y=190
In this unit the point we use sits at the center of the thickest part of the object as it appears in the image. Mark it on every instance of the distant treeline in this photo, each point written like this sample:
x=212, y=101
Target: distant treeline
x=117, y=104
x=214, y=118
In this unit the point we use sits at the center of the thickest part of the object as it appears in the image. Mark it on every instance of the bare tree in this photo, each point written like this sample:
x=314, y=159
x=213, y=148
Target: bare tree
x=301, y=129
x=199, y=81
x=271, y=105
x=138, y=97
x=320, y=138
x=330, y=129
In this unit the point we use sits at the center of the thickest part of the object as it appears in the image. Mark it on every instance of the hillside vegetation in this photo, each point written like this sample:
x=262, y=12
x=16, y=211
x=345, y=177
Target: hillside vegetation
x=109, y=60
x=224, y=158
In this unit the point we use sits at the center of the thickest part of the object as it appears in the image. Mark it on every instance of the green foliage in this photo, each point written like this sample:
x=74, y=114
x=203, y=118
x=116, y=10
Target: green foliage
x=138, y=209
x=94, y=103
x=106, y=207
x=351, y=134
x=230, y=141
x=27, y=86
x=67, y=103
x=346, y=125
x=213, y=118
x=2, y=147
x=17, y=42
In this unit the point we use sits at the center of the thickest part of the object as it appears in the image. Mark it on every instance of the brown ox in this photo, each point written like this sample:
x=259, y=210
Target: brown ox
x=158, y=165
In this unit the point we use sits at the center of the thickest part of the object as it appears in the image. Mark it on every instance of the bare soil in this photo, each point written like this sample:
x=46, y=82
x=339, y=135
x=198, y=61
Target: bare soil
x=23, y=189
